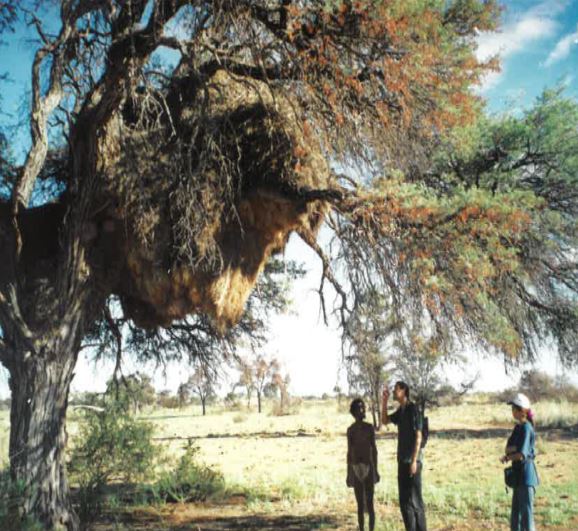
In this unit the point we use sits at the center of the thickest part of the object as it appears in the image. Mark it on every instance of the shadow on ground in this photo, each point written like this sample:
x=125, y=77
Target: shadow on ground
x=570, y=432
x=501, y=433
x=146, y=522
x=265, y=523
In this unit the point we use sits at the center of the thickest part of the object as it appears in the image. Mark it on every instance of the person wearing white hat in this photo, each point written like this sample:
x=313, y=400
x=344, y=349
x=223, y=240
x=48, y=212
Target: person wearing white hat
x=521, y=451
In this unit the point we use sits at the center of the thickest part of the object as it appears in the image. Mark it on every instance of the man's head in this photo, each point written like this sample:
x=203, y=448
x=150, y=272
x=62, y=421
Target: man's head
x=401, y=391
x=357, y=409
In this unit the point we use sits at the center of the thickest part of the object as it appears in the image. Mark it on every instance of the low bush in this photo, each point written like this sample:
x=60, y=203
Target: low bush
x=540, y=386
x=232, y=402
x=240, y=417
x=549, y=415
x=289, y=406
x=112, y=446
x=189, y=480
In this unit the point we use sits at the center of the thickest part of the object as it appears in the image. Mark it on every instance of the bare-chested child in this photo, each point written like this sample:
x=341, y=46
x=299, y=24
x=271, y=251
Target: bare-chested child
x=362, y=462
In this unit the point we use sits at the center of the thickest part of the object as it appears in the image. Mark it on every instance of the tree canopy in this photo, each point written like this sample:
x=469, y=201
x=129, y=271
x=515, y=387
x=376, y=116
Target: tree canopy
x=174, y=182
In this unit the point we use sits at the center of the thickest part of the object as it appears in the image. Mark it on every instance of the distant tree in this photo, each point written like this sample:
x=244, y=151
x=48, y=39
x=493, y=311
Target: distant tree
x=421, y=366
x=133, y=391
x=166, y=399
x=202, y=384
x=368, y=337
x=184, y=394
x=281, y=382
x=246, y=378
x=232, y=400
x=338, y=393
x=270, y=390
x=538, y=385
x=566, y=389
x=264, y=369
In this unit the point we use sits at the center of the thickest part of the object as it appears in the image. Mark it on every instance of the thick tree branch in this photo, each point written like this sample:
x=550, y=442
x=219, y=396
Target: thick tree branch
x=43, y=105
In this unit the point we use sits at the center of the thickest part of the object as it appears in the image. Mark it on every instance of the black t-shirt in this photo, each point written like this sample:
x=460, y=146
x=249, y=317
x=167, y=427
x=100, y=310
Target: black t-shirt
x=408, y=421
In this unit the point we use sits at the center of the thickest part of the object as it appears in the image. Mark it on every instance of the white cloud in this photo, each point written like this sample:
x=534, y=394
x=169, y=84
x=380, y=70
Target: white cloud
x=513, y=38
x=563, y=48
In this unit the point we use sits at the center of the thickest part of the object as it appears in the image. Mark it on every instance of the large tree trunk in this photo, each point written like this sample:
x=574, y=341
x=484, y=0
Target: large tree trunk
x=40, y=386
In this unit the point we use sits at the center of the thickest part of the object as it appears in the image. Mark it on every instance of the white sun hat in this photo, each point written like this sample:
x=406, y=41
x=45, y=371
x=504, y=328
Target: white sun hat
x=520, y=400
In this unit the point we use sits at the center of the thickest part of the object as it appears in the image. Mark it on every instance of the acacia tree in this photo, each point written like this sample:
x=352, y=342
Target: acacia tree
x=202, y=384
x=421, y=365
x=175, y=185
x=264, y=371
x=246, y=378
x=368, y=348
x=136, y=391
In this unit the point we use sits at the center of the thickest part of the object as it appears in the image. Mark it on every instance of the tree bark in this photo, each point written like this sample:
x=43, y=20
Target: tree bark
x=40, y=385
x=204, y=408
x=259, y=401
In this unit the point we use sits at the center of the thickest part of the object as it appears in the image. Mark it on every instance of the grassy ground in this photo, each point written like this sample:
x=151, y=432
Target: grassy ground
x=289, y=472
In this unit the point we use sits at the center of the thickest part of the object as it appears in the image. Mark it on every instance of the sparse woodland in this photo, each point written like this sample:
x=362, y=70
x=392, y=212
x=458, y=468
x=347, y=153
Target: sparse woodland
x=168, y=187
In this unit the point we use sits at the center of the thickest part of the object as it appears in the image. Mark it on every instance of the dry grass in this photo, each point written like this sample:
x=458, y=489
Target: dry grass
x=289, y=472
x=299, y=462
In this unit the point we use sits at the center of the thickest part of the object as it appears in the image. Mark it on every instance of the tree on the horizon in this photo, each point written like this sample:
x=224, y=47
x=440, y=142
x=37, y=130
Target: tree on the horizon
x=422, y=365
x=173, y=185
x=133, y=392
x=246, y=378
x=264, y=370
x=368, y=348
x=202, y=384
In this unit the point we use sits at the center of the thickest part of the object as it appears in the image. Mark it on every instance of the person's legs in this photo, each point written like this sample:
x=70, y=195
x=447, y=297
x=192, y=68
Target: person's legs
x=358, y=488
x=369, y=500
x=515, y=513
x=417, y=501
x=404, y=483
x=526, y=508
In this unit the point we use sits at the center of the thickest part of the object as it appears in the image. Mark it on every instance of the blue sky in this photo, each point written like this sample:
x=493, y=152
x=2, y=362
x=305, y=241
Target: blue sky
x=538, y=43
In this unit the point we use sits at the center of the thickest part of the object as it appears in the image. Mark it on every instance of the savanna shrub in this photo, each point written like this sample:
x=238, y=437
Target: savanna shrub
x=289, y=406
x=540, y=386
x=232, y=402
x=112, y=445
x=189, y=480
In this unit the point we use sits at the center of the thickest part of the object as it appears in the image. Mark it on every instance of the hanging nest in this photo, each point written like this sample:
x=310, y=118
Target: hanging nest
x=204, y=182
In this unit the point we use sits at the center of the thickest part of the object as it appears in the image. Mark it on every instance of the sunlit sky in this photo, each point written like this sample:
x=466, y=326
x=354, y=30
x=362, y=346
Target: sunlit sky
x=538, y=43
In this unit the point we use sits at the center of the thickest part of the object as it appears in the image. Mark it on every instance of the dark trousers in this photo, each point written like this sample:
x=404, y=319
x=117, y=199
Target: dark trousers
x=410, y=498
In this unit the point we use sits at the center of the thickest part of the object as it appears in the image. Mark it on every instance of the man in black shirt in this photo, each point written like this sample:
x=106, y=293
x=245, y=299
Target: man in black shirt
x=409, y=456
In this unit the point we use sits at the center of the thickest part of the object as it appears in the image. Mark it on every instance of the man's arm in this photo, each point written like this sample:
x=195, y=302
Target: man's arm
x=413, y=467
x=418, y=437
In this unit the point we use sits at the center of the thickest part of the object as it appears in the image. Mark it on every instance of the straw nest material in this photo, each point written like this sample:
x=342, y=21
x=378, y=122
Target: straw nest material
x=206, y=183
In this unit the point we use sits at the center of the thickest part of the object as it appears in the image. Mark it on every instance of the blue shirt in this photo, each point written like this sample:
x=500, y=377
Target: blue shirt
x=524, y=439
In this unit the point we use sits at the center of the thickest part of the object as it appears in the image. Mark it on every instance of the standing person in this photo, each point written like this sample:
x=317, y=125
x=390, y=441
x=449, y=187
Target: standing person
x=521, y=451
x=362, y=462
x=409, y=423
